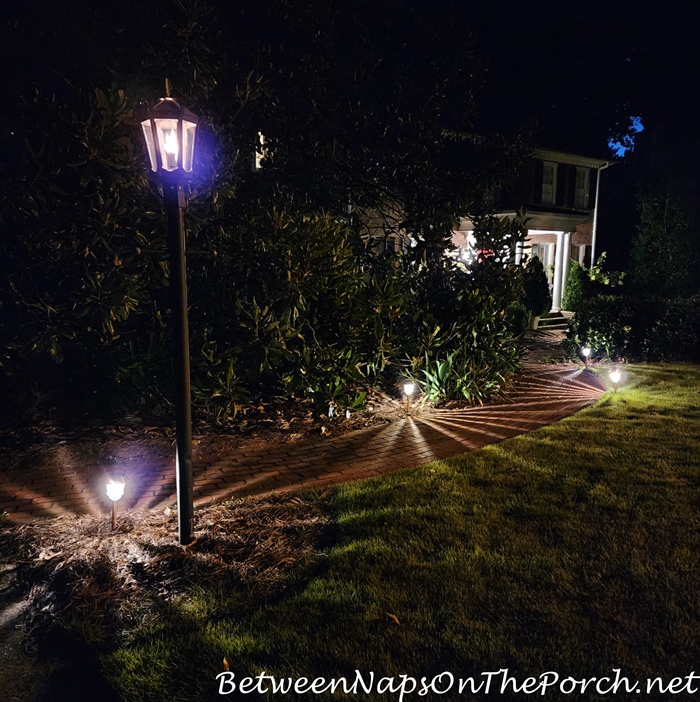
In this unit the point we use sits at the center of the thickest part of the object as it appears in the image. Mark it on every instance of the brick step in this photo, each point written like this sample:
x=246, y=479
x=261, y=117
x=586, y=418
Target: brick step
x=551, y=324
x=554, y=321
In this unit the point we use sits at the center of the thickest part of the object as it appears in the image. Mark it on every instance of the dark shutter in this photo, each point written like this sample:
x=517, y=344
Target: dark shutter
x=571, y=189
x=562, y=184
x=537, y=190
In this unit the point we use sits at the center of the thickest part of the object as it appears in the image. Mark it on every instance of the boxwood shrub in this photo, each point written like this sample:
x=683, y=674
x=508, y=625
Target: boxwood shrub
x=647, y=328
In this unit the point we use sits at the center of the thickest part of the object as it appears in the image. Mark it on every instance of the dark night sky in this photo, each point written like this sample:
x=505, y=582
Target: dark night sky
x=570, y=65
x=575, y=68
x=580, y=69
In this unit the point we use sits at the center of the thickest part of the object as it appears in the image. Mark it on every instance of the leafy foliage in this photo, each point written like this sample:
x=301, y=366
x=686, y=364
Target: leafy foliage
x=604, y=281
x=647, y=327
x=83, y=283
x=665, y=253
x=289, y=296
x=576, y=288
x=538, y=299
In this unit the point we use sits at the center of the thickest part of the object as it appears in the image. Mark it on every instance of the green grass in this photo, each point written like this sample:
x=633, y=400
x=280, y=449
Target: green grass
x=569, y=549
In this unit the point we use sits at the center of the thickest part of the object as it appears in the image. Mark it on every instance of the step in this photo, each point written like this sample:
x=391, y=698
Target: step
x=548, y=325
x=554, y=320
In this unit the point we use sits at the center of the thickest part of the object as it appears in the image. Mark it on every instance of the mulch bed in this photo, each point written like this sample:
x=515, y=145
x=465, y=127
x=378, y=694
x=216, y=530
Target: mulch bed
x=82, y=585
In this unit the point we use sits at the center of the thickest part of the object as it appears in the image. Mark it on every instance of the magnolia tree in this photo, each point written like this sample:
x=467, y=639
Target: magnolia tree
x=359, y=117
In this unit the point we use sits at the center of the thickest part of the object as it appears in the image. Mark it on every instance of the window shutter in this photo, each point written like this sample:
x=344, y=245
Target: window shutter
x=562, y=185
x=571, y=187
x=537, y=193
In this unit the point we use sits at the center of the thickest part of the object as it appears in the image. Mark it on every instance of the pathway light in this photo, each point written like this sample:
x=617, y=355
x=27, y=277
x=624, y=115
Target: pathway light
x=615, y=376
x=586, y=351
x=408, y=389
x=115, y=492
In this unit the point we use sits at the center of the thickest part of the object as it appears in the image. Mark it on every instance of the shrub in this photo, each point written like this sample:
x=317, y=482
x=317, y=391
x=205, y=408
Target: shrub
x=538, y=299
x=577, y=287
x=600, y=323
x=674, y=334
x=469, y=358
x=664, y=255
x=649, y=328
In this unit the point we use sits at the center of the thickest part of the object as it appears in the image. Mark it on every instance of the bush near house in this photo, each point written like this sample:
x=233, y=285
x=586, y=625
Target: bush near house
x=583, y=283
x=289, y=299
x=577, y=287
x=538, y=299
x=286, y=301
x=650, y=328
x=655, y=317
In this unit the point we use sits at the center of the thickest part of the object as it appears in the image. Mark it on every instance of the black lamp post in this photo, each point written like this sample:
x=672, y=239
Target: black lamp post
x=170, y=132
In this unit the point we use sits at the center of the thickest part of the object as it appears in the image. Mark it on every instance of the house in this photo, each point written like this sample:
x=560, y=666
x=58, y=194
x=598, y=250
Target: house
x=559, y=192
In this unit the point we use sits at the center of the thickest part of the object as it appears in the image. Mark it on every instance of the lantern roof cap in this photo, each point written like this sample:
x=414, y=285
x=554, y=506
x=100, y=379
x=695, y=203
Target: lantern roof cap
x=169, y=108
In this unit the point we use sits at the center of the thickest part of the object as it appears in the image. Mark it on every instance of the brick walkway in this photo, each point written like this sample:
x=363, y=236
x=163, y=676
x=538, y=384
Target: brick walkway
x=544, y=394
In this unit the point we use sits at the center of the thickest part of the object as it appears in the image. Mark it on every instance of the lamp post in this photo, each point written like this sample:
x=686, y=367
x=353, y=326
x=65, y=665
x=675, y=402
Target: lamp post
x=169, y=131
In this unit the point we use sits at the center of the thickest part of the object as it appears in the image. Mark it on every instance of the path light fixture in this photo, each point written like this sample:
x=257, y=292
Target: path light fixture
x=115, y=492
x=615, y=376
x=169, y=131
x=409, y=388
x=586, y=351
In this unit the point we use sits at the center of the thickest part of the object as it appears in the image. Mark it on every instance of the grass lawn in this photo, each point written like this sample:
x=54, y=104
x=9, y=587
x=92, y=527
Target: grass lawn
x=572, y=549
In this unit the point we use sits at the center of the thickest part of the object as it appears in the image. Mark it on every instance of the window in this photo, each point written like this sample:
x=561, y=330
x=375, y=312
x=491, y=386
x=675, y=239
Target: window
x=385, y=243
x=581, y=193
x=260, y=152
x=549, y=182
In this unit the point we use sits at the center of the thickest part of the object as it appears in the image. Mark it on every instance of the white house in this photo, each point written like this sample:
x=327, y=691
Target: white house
x=559, y=192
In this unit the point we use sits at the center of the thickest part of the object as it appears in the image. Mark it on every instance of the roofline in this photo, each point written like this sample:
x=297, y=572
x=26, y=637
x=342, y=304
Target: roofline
x=571, y=159
x=545, y=154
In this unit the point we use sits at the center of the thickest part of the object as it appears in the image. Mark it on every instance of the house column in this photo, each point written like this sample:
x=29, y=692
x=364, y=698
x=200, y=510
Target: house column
x=566, y=261
x=558, y=271
x=519, y=253
x=582, y=254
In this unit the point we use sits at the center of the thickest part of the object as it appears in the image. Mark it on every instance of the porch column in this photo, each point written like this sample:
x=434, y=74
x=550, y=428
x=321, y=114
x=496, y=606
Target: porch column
x=566, y=260
x=582, y=254
x=519, y=253
x=558, y=271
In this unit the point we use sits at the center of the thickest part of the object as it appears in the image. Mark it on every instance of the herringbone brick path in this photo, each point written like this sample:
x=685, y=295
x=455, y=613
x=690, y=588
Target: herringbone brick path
x=544, y=394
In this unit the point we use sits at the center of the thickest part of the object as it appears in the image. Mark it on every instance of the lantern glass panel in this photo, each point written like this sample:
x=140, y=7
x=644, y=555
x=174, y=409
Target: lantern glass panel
x=150, y=144
x=189, y=129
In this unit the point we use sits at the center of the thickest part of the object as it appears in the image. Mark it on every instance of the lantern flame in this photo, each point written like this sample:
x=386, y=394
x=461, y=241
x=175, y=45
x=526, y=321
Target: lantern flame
x=170, y=143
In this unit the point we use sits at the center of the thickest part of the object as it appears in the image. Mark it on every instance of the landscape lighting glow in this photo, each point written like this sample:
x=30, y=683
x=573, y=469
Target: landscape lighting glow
x=615, y=376
x=586, y=351
x=115, y=489
x=115, y=492
x=408, y=389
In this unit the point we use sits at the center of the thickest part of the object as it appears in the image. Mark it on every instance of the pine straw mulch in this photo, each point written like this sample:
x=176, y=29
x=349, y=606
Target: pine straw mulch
x=259, y=423
x=78, y=573
x=75, y=576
